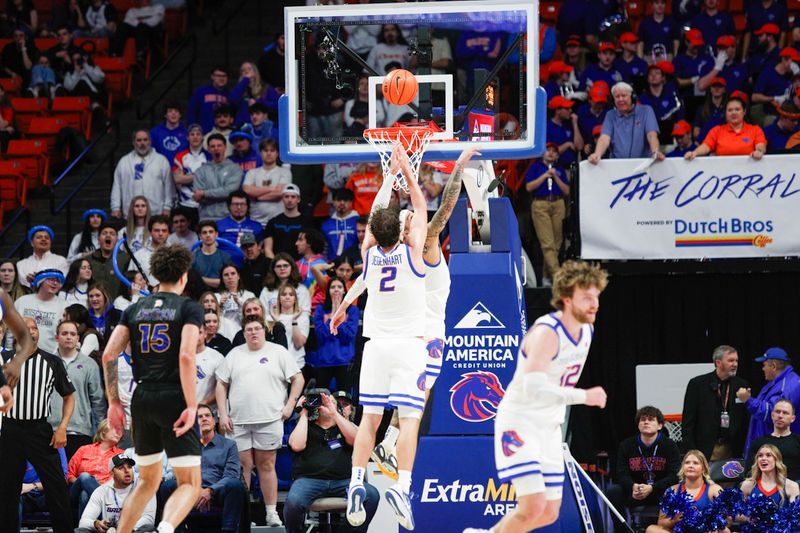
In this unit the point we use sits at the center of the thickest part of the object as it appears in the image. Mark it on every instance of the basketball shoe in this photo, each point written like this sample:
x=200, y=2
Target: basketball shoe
x=386, y=460
x=356, y=514
x=401, y=505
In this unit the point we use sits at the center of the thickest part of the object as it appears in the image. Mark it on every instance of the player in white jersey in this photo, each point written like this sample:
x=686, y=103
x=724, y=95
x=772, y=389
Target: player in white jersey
x=393, y=361
x=528, y=423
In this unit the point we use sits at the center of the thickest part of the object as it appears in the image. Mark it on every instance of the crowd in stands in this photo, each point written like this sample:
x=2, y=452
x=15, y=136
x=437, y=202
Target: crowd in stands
x=280, y=243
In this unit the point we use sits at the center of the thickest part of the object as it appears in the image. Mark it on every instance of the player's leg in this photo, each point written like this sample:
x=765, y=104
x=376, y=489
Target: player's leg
x=433, y=366
x=384, y=454
x=530, y=508
x=150, y=468
x=184, y=498
x=268, y=479
x=362, y=448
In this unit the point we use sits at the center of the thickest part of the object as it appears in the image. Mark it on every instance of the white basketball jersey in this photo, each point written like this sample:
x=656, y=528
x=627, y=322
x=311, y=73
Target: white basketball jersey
x=437, y=289
x=396, y=292
x=564, y=371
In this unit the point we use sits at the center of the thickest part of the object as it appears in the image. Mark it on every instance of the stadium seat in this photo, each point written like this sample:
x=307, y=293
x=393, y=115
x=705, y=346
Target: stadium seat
x=793, y=5
x=735, y=6
x=635, y=9
x=35, y=160
x=118, y=79
x=26, y=109
x=13, y=190
x=12, y=86
x=740, y=21
x=100, y=44
x=47, y=129
x=44, y=8
x=75, y=110
x=548, y=11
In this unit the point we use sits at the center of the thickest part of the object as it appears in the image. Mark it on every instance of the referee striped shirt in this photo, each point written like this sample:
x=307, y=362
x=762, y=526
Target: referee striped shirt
x=41, y=374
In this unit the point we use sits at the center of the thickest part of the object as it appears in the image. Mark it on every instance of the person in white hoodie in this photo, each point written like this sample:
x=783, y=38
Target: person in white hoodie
x=142, y=172
x=104, y=507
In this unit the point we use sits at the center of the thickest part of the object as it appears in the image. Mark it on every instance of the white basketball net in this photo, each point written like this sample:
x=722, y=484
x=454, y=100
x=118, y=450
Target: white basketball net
x=415, y=139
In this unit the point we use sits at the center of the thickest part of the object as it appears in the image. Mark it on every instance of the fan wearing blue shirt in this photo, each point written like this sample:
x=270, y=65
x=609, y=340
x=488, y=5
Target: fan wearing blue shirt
x=761, y=12
x=603, y=69
x=169, y=138
x=778, y=132
x=712, y=22
x=726, y=66
x=682, y=133
x=238, y=222
x=562, y=129
x=773, y=84
x=660, y=95
x=629, y=65
x=659, y=28
x=766, y=52
x=593, y=112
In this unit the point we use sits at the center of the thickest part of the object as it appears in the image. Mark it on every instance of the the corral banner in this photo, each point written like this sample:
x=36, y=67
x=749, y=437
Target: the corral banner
x=712, y=207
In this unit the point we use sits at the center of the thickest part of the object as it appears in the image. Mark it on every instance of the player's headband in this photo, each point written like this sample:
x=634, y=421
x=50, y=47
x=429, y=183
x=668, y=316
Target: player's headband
x=50, y=273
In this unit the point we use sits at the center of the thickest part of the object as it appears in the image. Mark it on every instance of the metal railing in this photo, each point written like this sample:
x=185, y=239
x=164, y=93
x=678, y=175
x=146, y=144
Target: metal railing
x=111, y=128
x=188, y=43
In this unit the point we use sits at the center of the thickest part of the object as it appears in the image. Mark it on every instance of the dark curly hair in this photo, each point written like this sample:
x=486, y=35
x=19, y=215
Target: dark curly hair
x=314, y=238
x=169, y=263
x=384, y=224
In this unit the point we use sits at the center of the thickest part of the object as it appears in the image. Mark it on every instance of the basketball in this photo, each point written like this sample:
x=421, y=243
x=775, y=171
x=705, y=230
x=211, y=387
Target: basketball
x=400, y=87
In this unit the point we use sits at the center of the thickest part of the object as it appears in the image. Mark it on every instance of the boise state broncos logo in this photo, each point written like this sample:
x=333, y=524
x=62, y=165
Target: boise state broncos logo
x=436, y=348
x=511, y=442
x=732, y=469
x=200, y=373
x=476, y=396
x=421, y=382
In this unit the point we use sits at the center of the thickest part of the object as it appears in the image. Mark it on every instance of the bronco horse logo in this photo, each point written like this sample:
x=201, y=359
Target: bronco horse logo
x=476, y=396
x=511, y=442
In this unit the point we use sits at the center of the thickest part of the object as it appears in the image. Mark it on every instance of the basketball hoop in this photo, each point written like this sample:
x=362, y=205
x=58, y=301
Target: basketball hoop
x=414, y=136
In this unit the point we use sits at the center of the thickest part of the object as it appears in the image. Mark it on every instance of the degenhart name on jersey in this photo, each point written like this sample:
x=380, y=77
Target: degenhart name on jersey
x=390, y=260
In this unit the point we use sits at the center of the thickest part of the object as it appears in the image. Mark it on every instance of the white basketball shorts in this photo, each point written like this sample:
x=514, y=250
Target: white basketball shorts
x=393, y=374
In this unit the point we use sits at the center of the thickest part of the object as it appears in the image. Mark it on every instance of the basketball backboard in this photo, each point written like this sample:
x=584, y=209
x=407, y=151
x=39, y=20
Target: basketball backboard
x=476, y=63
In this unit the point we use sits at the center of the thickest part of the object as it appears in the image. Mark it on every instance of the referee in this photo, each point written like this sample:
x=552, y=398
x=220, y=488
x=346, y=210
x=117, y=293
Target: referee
x=27, y=436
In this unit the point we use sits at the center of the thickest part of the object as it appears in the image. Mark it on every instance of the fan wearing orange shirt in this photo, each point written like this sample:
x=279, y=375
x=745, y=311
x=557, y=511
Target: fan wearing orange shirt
x=735, y=137
x=365, y=181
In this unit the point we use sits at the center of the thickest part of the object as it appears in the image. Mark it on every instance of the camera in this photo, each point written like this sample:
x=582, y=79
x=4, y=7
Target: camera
x=313, y=401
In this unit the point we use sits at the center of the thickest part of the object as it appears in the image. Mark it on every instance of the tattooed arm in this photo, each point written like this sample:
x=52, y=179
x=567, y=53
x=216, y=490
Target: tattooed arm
x=116, y=413
x=449, y=198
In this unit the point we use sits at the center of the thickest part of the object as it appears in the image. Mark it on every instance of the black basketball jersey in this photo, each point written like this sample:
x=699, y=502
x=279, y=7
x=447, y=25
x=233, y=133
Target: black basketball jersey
x=155, y=324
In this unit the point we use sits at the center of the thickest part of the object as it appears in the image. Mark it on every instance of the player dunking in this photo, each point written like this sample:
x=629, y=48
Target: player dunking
x=163, y=329
x=527, y=430
x=394, y=357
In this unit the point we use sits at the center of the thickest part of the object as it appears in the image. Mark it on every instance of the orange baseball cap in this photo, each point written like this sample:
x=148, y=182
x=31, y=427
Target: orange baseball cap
x=607, y=46
x=681, y=128
x=574, y=40
x=726, y=40
x=719, y=81
x=791, y=52
x=551, y=145
x=559, y=67
x=599, y=91
x=695, y=37
x=741, y=95
x=770, y=28
x=628, y=37
x=559, y=101
x=664, y=66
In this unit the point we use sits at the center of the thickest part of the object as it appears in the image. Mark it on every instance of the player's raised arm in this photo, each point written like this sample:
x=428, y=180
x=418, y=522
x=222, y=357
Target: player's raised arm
x=120, y=336
x=450, y=195
x=539, y=347
x=25, y=344
x=419, y=222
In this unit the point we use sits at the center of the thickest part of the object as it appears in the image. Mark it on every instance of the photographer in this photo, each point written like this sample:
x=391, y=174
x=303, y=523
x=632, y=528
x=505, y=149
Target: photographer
x=323, y=444
x=105, y=505
x=85, y=79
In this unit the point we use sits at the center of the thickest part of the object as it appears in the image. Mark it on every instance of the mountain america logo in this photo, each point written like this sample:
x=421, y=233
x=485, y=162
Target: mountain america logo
x=479, y=317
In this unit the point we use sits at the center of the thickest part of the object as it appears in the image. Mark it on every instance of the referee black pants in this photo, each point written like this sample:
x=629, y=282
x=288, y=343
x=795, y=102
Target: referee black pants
x=29, y=440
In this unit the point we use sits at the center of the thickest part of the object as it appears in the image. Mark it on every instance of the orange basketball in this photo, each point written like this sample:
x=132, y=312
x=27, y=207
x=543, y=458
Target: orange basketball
x=400, y=87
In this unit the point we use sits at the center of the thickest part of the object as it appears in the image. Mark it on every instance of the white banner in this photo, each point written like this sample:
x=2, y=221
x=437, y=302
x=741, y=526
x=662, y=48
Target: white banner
x=712, y=207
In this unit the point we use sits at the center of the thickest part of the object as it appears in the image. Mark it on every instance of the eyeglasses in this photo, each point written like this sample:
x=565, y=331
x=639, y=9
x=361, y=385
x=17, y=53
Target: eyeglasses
x=254, y=329
x=283, y=265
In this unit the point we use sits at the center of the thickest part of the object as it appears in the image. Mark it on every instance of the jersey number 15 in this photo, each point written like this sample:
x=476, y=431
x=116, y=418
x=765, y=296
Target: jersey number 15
x=154, y=338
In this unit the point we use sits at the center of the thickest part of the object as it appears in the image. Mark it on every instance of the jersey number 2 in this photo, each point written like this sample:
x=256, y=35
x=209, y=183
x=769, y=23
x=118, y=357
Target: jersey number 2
x=154, y=338
x=388, y=275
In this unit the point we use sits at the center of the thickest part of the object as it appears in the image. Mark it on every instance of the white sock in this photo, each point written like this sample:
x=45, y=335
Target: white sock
x=272, y=509
x=390, y=438
x=357, y=477
x=404, y=479
x=165, y=527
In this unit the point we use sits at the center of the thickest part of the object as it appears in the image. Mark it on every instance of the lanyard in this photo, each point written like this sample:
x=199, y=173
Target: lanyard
x=723, y=398
x=648, y=465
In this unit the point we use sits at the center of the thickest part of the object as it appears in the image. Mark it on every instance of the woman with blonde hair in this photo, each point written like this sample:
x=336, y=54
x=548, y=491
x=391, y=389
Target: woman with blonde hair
x=294, y=320
x=695, y=480
x=138, y=218
x=768, y=477
x=256, y=91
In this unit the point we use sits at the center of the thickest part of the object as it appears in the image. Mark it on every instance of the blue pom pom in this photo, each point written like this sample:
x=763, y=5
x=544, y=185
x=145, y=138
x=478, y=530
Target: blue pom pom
x=674, y=503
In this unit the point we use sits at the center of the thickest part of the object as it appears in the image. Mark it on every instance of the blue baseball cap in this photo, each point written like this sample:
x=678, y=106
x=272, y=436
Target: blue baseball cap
x=774, y=353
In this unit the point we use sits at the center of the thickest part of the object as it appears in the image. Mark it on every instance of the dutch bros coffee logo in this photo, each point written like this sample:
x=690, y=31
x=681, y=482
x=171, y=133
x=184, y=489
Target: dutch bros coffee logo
x=479, y=317
x=511, y=442
x=476, y=397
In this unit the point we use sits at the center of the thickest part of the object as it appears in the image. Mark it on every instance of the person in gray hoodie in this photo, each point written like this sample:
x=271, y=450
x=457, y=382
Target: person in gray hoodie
x=215, y=180
x=90, y=403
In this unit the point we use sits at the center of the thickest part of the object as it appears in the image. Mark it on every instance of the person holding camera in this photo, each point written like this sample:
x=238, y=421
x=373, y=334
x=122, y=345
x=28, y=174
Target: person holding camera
x=322, y=443
x=85, y=79
x=105, y=505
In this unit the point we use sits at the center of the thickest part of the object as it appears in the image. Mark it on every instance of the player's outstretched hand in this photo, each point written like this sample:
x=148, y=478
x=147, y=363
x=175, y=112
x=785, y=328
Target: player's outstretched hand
x=337, y=319
x=596, y=397
x=186, y=421
x=116, y=417
x=468, y=154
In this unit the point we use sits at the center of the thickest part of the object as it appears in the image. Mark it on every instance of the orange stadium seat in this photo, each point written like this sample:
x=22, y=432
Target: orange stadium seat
x=46, y=129
x=26, y=109
x=100, y=44
x=43, y=44
x=793, y=5
x=12, y=86
x=35, y=160
x=740, y=21
x=635, y=9
x=75, y=110
x=118, y=79
x=736, y=6
x=13, y=190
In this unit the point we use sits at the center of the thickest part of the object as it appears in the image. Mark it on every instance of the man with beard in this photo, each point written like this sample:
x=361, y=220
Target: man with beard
x=142, y=172
x=528, y=424
x=101, y=259
x=713, y=421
